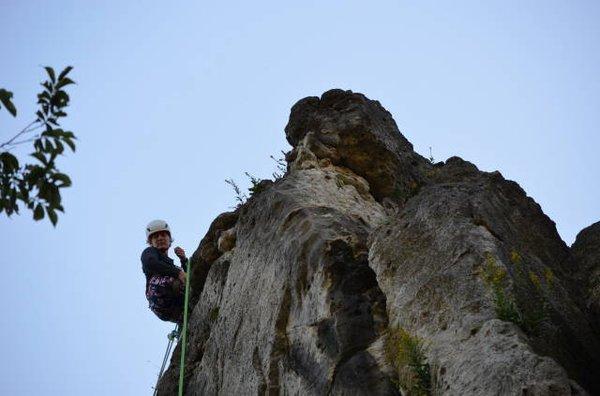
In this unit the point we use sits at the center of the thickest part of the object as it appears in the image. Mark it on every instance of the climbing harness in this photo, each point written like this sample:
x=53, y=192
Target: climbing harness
x=172, y=335
x=185, y=319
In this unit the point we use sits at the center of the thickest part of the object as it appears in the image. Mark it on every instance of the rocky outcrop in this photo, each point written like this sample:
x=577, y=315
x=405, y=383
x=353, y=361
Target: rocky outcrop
x=354, y=132
x=368, y=270
x=586, y=252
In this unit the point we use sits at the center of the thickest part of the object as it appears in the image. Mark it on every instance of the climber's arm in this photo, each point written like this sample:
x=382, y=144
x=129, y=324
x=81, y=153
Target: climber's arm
x=182, y=258
x=151, y=263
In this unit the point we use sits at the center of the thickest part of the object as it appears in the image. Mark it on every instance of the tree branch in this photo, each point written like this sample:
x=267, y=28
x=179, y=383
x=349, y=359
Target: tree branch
x=13, y=145
x=23, y=131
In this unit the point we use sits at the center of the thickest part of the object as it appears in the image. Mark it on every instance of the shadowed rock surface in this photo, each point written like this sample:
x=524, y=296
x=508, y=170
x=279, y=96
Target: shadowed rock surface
x=586, y=251
x=301, y=290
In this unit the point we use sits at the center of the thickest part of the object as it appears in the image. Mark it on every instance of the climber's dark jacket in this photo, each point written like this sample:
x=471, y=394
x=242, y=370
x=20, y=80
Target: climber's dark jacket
x=156, y=263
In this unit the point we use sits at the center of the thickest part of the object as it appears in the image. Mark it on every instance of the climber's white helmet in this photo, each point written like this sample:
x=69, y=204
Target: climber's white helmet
x=156, y=226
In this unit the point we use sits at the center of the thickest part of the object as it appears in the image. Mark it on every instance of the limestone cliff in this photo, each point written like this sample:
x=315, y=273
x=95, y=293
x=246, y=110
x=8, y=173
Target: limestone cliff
x=368, y=270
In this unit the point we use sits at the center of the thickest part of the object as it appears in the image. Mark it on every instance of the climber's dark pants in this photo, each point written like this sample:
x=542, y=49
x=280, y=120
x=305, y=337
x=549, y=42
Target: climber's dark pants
x=166, y=296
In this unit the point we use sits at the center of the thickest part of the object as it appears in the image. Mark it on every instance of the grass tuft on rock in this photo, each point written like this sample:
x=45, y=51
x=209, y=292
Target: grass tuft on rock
x=495, y=277
x=406, y=354
x=214, y=314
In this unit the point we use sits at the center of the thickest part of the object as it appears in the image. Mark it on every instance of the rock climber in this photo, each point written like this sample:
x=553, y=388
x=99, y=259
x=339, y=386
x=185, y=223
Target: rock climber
x=165, y=282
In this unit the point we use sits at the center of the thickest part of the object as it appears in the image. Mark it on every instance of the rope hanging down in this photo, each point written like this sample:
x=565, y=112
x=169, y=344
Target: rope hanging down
x=175, y=334
x=172, y=335
x=185, y=319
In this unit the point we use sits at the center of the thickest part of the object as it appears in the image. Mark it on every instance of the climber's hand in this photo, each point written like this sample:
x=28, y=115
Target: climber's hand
x=180, y=252
x=182, y=277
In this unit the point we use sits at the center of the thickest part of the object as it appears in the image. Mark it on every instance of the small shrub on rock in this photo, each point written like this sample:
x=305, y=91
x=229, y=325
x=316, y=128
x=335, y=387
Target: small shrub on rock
x=494, y=277
x=406, y=354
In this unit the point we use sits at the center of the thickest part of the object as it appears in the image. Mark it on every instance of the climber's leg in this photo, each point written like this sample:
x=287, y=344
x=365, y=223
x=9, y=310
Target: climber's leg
x=165, y=298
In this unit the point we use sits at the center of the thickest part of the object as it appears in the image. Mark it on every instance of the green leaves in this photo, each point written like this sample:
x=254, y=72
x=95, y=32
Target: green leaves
x=64, y=179
x=38, y=213
x=5, y=98
x=52, y=216
x=9, y=162
x=40, y=157
x=51, y=74
x=70, y=143
x=53, y=99
x=64, y=73
x=38, y=185
x=64, y=82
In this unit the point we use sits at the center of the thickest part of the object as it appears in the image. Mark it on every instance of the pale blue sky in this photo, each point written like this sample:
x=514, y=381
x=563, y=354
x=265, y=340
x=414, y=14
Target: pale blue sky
x=172, y=99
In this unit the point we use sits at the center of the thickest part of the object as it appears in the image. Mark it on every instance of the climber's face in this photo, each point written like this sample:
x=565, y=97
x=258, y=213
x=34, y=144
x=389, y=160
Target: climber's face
x=161, y=240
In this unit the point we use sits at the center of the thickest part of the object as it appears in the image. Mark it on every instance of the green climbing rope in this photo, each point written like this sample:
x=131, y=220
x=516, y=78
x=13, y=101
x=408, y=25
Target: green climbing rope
x=185, y=318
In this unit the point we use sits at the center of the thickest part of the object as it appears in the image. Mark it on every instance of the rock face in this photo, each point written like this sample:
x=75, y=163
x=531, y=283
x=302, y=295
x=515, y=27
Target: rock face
x=367, y=270
x=586, y=250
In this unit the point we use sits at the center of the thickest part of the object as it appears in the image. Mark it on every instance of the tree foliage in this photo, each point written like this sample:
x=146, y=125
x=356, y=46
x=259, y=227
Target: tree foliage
x=37, y=185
